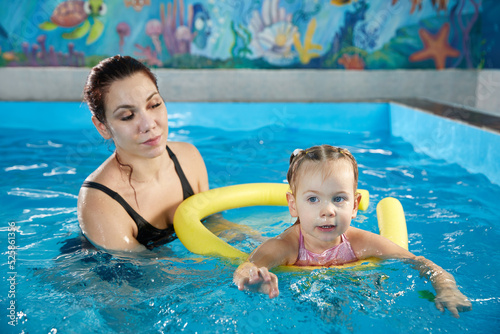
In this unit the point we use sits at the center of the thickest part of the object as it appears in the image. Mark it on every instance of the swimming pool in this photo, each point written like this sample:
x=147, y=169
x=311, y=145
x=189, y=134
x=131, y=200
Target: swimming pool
x=48, y=149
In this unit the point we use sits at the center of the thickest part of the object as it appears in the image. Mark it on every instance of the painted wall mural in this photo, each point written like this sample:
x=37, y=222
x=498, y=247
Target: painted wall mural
x=271, y=34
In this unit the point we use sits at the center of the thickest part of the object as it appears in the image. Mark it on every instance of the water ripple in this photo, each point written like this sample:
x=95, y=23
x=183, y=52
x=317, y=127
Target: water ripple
x=23, y=167
x=48, y=144
x=61, y=171
x=37, y=193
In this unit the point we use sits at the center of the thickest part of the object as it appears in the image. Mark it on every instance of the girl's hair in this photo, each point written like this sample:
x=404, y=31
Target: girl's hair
x=319, y=154
x=106, y=73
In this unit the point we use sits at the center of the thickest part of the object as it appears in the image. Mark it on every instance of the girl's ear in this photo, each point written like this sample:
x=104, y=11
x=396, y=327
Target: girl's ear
x=101, y=127
x=292, y=206
x=357, y=200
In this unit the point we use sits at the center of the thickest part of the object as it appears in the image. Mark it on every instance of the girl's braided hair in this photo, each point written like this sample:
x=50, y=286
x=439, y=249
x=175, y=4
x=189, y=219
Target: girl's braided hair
x=319, y=154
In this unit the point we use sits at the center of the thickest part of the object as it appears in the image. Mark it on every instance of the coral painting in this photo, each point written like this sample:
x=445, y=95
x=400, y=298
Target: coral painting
x=273, y=34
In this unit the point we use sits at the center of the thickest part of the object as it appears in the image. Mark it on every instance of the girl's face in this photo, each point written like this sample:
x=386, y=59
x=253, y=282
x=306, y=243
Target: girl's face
x=136, y=117
x=324, y=201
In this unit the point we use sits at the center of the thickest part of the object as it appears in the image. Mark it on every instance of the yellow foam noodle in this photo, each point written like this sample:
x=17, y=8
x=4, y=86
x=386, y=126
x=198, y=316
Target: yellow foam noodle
x=365, y=199
x=199, y=240
x=391, y=221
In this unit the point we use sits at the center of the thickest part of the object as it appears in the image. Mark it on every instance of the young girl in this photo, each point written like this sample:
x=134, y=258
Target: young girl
x=323, y=180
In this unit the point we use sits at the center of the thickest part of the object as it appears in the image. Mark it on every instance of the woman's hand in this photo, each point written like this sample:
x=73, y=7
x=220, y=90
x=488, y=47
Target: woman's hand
x=252, y=278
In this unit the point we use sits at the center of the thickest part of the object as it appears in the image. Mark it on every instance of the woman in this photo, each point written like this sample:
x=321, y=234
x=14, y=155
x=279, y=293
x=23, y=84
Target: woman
x=128, y=203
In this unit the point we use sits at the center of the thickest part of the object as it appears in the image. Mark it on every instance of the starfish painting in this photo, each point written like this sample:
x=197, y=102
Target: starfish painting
x=436, y=47
x=352, y=62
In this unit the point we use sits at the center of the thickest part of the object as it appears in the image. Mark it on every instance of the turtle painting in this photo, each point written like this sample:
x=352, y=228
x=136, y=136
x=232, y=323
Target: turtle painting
x=76, y=13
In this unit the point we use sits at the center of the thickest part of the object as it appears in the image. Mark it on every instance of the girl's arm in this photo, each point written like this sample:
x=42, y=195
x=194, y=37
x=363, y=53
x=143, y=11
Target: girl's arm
x=366, y=244
x=447, y=294
x=254, y=274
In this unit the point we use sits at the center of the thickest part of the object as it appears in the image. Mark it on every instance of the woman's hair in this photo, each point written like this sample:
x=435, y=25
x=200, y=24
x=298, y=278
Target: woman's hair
x=106, y=73
x=319, y=154
x=100, y=79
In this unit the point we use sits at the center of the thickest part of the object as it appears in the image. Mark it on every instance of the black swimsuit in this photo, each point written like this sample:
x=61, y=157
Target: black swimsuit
x=147, y=234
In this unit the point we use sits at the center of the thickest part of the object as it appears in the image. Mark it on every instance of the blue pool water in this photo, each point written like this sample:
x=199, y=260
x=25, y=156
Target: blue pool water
x=48, y=149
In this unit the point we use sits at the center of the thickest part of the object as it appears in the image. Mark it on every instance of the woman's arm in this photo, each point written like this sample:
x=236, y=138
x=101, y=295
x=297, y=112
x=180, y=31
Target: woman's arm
x=366, y=244
x=103, y=222
x=230, y=231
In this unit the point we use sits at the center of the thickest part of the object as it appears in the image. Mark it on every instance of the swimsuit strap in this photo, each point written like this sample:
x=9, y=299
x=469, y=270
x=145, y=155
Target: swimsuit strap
x=186, y=188
x=301, y=239
x=117, y=197
x=187, y=191
x=147, y=234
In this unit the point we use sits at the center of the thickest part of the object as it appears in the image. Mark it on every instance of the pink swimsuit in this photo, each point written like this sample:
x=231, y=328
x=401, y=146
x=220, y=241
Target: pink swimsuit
x=340, y=254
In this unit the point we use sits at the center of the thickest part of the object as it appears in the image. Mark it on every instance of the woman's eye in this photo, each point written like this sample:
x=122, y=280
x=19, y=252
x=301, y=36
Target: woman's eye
x=313, y=199
x=127, y=117
x=154, y=106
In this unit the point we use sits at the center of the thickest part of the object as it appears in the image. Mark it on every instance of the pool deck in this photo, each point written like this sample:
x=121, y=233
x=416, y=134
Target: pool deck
x=454, y=112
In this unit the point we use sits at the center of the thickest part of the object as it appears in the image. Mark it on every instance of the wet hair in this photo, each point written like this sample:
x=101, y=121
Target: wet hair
x=319, y=154
x=104, y=74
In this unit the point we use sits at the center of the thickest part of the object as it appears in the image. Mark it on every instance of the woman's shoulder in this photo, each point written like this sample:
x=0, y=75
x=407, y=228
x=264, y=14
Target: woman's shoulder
x=183, y=149
x=104, y=173
x=96, y=206
x=192, y=164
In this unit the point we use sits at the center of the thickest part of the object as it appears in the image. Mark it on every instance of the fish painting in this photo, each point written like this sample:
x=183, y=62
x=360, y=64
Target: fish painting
x=341, y=2
x=201, y=25
x=76, y=13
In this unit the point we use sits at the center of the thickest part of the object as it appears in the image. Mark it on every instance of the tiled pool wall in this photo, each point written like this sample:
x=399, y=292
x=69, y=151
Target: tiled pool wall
x=474, y=147
x=342, y=117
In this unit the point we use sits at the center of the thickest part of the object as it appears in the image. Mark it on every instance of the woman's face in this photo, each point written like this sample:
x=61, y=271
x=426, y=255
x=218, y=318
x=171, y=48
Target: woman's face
x=136, y=117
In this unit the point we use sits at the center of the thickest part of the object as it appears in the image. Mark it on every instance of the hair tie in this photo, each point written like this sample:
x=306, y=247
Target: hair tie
x=297, y=151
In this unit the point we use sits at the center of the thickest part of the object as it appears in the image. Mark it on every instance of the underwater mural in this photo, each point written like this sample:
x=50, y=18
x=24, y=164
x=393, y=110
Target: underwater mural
x=270, y=34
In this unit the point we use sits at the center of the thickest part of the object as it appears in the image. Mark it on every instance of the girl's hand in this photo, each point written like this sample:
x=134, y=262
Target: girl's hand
x=447, y=294
x=249, y=277
x=453, y=300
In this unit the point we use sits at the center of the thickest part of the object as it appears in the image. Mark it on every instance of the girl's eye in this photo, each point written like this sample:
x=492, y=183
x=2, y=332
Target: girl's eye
x=338, y=199
x=313, y=199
